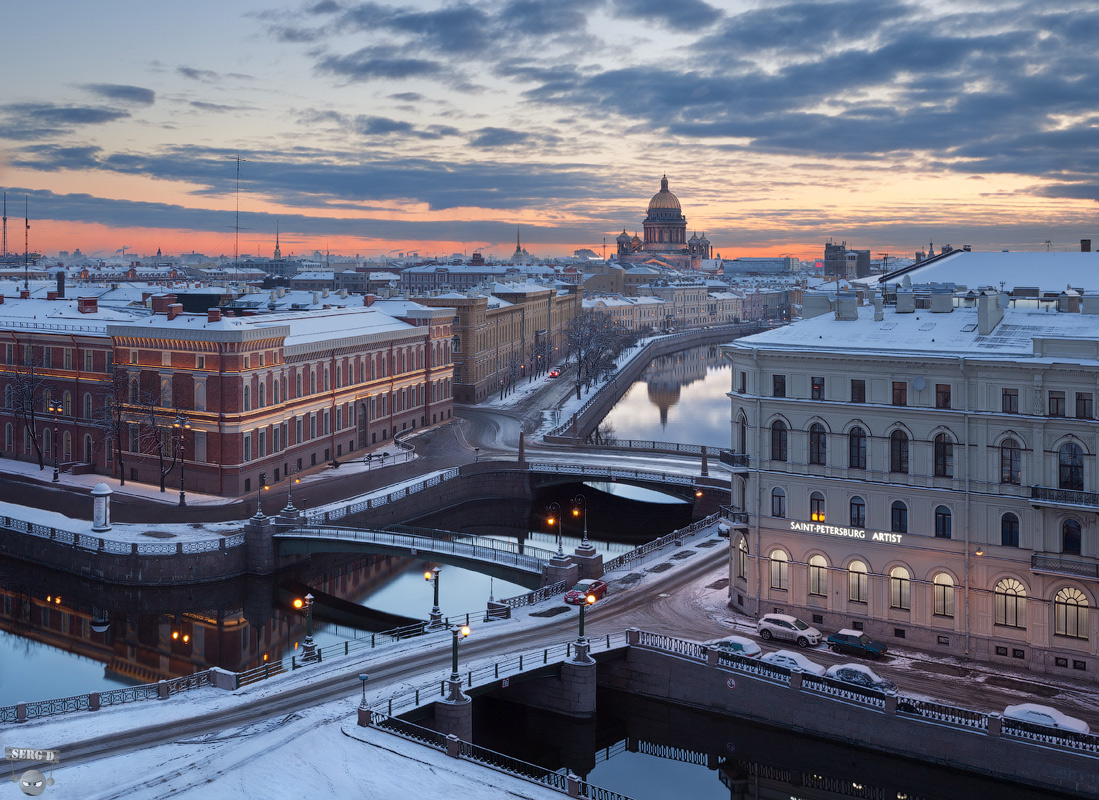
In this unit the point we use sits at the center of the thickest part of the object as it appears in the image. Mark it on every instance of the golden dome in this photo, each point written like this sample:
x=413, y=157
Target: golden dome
x=664, y=198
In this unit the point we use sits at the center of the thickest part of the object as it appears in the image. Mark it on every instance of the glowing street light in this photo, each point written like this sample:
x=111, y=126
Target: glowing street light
x=308, y=648
x=554, y=511
x=436, y=620
x=580, y=506
x=180, y=426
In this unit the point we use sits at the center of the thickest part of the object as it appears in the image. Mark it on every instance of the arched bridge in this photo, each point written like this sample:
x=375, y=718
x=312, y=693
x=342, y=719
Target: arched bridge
x=548, y=473
x=510, y=561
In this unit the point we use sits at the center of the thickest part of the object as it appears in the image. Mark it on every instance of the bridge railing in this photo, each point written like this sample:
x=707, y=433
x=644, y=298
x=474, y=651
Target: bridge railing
x=537, y=596
x=83, y=541
x=381, y=500
x=616, y=472
x=644, y=550
x=504, y=544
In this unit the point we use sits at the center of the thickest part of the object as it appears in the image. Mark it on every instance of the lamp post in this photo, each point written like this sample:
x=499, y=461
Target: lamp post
x=364, y=678
x=554, y=511
x=290, y=491
x=580, y=506
x=259, y=493
x=55, y=408
x=589, y=600
x=458, y=632
x=308, y=648
x=436, y=620
x=181, y=424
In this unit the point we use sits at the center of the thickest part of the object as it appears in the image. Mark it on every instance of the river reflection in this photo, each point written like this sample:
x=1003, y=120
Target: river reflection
x=680, y=397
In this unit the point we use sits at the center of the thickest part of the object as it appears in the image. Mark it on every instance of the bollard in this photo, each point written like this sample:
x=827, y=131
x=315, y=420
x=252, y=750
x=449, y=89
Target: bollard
x=417, y=697
x=162, y=690
x=573, y=785
x=891, y=702
x=452, y=745
x=346, y=648
x=93, y=701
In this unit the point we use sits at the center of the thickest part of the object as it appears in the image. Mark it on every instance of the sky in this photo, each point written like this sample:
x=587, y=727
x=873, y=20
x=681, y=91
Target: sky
x=439, y=127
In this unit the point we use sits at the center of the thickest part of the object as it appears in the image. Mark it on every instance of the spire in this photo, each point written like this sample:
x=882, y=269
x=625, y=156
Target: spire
x=278, y=253
x=518, y=246
x=664, y=183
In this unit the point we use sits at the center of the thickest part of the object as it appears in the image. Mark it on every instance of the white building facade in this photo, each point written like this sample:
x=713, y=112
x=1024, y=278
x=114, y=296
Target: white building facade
x=925, y=474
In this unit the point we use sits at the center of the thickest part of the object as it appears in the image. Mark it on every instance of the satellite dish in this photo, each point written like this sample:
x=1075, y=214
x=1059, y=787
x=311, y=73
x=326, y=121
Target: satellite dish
x=918, y=384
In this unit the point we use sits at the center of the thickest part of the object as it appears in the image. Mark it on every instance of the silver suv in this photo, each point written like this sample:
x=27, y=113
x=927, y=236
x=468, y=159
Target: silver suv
x=792, y=629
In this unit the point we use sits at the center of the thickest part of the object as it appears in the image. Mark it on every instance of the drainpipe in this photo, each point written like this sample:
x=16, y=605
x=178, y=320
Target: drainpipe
x=965, y=508
x=759, y=490
x=221, y=418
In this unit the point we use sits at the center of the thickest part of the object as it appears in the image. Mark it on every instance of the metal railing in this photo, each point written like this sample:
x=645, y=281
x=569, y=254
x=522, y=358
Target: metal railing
x=537, y=596
x=940, y=712
x=739, y=460
x=504, y=544
x=843, y=690
x=1067, y=496
x=1064, y=566
x=669, y=644
x=1073, y=740
x=381, y=500
x=106, y=545
x=644, y=550
x=605, y=472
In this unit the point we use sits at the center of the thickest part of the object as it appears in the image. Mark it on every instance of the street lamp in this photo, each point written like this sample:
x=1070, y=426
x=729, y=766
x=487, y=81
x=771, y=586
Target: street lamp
x=457, y=632
x=436, y=619
x=55, y=408
x=364, y=677
x=181, y=424
x=259, y=493
x=554, y=511
x=589, y=600
x=290, y=490
x=580, y=506
x=308, y=648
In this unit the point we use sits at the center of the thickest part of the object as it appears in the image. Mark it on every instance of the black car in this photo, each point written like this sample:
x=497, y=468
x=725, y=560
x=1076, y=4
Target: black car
x=855, y=643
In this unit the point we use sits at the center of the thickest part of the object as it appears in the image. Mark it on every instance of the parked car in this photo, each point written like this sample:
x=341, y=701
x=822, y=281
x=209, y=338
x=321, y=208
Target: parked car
x=861, y=675
x=578, y=593
x=1037, y=714
x=555, y=373
x=855, y=643
x=792, y=659
x=737, y=645
x=792, y=629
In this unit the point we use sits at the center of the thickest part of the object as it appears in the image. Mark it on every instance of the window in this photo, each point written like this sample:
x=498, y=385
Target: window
x=741, y=428
x=68, y=358
x=1056, y=404
x=816, y=507
x=858, y=391
x=944, y=456
x=1084, y=405
x=898, y=452
x=942, y=395
x=778, y=503
x=1009, y=401
x=247, y=447
x=779, y=570
x=743, y=383
x=857, y=582
x=247, y=398
x=818, y=444
x=817, y=391
x=1070, y=467
x=898, y=518
x=742, y=558
x=297, y=385
x=856, y=448
x=943, y=588
x=1009, y=603
x=47, y=357
x=87, y=406
x=1011, y=462
x=778, y=385
x=942, y=522
x=818, y=576
x=900, y=393
x=67, y=404
x=858, y=512
x=1070, y=613
x=87, y=360
x=779, y=440
x=1009, y=530
x=900, y=589
x=1070, y=537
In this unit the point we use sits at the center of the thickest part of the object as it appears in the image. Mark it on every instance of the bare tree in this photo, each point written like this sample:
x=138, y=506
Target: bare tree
x=594, y=342
x=513, y=368
x=154, y=422
x=28, y=389
x=114, y=416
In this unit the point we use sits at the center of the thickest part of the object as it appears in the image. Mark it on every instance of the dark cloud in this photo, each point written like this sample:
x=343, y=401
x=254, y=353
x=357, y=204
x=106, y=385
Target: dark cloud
x=49, y=157
x=685, y=15
x=204, y=75
x=217, y=108
x=370, y=126
x=498, y=137
x=407, y=97
x=123, y=93
x=324, y=7
x=29, y=121
x=382, y=126
x=370, y=63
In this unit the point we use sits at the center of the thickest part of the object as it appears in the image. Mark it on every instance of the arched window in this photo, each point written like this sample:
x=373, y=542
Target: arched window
x=9, y=437
x=742, y=435
x=326, y=379
x=200, y=396
x=297, y=384
x=1011, y=462
x=67, y=446
x=856, y=448
x=1070, y=613
x=816, y=507
x=898, y=452
x=898, y=518
x=778, y=502
x=942, y=522
x=1070, y=537
x=87, y=405
x=275, y=393
x=262, y=394
x=247, y=398
x=779, y=569
x=818, y=576
x=944, y=456
x=742, y=558
x=900, y=589
x=779, y=440
x=857, y=582
x=818, y=444
x=858, y=512
x=1070, y=463
x=943, y=587
x=135, y=390
x=1009, y=603
x=1009, y=530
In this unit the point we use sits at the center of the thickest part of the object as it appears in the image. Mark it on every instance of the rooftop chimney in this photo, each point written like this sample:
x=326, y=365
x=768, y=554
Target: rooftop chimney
x=989, y=312
x=24, y=294
x=51, y=295
x=368, y=300
x=87, y=305
x=1085, y=245
x=61, y=284
x=174, y=310
x=213, y=315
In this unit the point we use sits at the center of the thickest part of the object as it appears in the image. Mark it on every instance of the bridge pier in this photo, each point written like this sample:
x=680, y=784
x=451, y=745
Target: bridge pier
x=454, y=713
x=561, y=568
x=261, y=556
x=588, y=561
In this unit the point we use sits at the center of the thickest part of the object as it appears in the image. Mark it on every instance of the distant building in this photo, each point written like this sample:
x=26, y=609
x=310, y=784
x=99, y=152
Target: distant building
x=665, y=235
x=844, y=263
x=777, y=264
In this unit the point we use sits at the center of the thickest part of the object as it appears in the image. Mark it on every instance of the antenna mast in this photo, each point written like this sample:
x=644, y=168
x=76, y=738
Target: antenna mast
x=4, y=246
x=236, y=224
x=26, y=240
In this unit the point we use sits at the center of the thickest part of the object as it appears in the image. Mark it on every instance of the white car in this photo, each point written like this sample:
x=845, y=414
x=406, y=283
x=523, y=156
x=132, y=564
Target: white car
x=793, y=660
x=792, y=629
x=737, y=645
x=861, y=675
x=1037, y=714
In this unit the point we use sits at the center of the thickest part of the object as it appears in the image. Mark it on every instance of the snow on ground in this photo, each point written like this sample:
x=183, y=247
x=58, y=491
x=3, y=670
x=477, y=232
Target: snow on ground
x=123, y=532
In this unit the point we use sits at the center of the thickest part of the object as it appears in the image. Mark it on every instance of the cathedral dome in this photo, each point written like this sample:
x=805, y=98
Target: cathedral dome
x=623, y=237
x=664, y=198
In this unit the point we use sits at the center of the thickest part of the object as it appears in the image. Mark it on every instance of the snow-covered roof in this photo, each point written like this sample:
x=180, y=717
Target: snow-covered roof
x=1049, y=271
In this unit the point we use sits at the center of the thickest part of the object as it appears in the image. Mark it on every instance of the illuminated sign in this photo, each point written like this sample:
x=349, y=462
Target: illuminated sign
x=849, y=533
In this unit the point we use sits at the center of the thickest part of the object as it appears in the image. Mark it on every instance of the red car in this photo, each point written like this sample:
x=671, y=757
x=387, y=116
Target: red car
x=577, y=594
x=555, y=373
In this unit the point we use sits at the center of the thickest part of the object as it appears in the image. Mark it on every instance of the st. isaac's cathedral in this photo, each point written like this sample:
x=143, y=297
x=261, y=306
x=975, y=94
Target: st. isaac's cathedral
x=665, y=236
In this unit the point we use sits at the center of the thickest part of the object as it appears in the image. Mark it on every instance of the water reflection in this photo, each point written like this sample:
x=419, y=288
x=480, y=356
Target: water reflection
x=680, y=397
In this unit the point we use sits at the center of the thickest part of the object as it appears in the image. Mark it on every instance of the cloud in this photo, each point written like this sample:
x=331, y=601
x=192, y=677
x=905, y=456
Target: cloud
x=29, y=121
x=123, y=93
x=49, y=157
x=685, y=15
x=202, y=105
x=370, y=63
x=204, y=75
x=498, y=137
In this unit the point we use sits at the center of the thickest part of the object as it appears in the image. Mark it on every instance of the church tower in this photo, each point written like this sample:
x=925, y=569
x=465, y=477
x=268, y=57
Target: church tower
x=278, y=253
x=665, y=226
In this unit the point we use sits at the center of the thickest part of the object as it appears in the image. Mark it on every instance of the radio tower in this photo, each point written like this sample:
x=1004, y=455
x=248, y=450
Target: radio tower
x=4, y=246
x=236, y=225
x=26, y=241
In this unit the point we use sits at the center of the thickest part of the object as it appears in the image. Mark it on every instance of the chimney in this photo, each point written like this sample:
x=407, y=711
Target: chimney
x=51, y=295
x=879, y=308
x=316, y=298
x=324, y=292
x=1085, y=245
x=174, y=310
x=906, y=302
x=61, y=284
x=1, y=299
x=87, y=305
x=989, y=312
x=942, y=302
x=24, y=294
x=213, y=315
x=368, y=300
x=847, y=307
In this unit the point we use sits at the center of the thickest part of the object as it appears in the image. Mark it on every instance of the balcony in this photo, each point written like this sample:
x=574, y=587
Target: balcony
x=735, y=516
x=737, y=461
x=1064, y=497
x=1059, y=565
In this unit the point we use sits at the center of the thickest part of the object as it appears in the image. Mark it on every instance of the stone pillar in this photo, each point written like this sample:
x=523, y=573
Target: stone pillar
x=573, y=785
x=588, y=561
x=162, y=690
x=795, y=679
x=261, y=555
x=93, y=701
x=560, y=569
x=995, y=724
x=891, y=702
x=705, y=462
x=365, y=717
x=633, y=636
x=454, y=715
x=497, y=610
x=101, y=508
x=452, y=746
x=522, y=449
x=578, y=685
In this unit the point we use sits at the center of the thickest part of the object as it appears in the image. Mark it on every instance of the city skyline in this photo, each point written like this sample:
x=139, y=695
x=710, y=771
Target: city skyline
x=445, y=127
